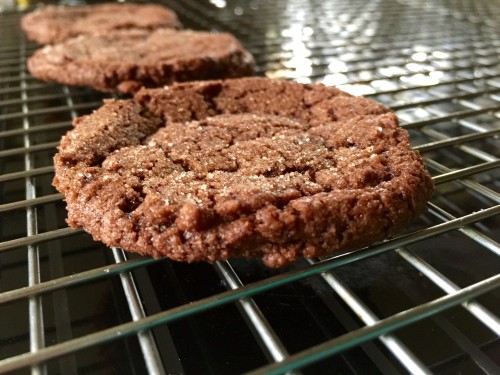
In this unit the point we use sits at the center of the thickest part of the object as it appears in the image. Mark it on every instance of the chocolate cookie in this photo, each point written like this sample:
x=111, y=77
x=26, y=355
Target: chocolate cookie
x=127, y=60
x=54, y=24
x=245, y=167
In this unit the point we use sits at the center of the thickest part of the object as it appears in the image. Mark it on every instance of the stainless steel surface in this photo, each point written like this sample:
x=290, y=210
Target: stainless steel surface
x=425, y=301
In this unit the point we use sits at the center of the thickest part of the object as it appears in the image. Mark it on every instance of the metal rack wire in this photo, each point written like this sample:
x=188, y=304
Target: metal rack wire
x=425, y=301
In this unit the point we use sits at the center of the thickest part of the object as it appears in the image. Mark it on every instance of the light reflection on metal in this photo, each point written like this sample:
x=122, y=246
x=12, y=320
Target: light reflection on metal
x=357, y=89
x=354, y=59
x=219, y=3
x=334, y=79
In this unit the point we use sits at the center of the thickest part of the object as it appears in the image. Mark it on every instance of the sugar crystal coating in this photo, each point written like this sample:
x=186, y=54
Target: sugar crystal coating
x=243, y=167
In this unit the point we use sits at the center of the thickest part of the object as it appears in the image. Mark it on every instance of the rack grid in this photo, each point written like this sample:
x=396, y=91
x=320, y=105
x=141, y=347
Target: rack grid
x=425, y=301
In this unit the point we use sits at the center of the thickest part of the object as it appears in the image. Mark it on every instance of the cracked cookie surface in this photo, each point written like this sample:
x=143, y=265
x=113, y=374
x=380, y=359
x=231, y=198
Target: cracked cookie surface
x=244, y=167
x=126, y=60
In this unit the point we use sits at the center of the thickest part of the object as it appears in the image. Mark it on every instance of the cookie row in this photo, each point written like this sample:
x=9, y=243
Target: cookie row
x=215, y=169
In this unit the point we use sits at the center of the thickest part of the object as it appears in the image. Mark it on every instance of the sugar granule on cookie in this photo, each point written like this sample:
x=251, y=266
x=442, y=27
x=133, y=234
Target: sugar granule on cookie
x=54, y=24
x=252, y=167
x=125, y=61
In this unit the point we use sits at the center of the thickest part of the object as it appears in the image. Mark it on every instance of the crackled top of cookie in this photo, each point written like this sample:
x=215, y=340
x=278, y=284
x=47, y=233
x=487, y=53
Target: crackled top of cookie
x=54, y=24
x=141, y=47
x=126, y=60
x=254, y=167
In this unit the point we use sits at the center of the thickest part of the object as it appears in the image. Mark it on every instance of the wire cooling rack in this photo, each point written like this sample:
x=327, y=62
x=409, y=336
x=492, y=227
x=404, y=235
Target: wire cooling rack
x=425, y=301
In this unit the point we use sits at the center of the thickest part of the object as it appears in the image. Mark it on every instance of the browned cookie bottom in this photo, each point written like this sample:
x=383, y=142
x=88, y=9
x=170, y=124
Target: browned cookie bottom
x=245, y=167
